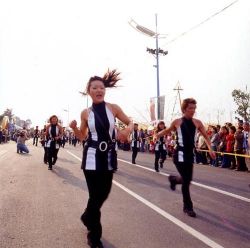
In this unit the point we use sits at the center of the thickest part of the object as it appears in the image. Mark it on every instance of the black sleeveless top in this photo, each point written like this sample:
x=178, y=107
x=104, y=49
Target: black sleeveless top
x=185, y=142
x=101, y=125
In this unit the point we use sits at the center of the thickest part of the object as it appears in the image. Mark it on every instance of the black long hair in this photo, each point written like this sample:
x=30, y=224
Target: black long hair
x=110, y=78
x=158, y=126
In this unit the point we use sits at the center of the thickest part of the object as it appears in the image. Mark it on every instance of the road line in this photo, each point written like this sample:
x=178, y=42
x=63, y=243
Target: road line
x=166, y=215
x=194, y=183
x=72, y=154
x=171, y=218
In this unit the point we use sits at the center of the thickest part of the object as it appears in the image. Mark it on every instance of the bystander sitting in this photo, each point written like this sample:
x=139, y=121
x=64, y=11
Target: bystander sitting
x=21, y=147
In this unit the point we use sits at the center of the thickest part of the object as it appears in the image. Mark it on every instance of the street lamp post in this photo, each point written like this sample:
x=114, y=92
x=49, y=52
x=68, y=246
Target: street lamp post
x=67, y=110
x=155, y=52
x=157, y=69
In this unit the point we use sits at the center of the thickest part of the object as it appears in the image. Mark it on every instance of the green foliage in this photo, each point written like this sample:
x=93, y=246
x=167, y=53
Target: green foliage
x=242, y=100
x=7, y=112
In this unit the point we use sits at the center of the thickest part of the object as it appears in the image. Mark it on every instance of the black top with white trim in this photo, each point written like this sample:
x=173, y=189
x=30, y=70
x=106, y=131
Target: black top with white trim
x=99, y=151
x=185, y=142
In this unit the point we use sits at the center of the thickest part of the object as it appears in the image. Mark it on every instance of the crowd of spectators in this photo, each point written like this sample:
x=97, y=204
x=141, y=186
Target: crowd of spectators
x=231, y=144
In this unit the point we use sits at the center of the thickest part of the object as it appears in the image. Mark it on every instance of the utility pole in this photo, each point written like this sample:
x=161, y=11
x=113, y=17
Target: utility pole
x=155, y=52
x=178, y=95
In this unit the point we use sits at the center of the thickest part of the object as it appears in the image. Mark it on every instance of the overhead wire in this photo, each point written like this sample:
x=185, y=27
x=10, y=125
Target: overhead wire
x=201, y=23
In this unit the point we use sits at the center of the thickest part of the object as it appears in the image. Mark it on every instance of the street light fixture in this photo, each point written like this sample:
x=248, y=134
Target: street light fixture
x=155, y=52
x=67, y=110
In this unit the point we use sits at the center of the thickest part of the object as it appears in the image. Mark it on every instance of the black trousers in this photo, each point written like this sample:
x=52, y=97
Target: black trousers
x=99, y=185
x=186, y=172
x=241, y=161
x=35, y=140
x=52, y=155
x=160, y=154
x=45, y=156
x=134, y=153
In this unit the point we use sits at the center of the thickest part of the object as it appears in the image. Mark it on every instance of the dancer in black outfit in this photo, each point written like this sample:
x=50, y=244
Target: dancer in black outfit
x=160, y=147
x=36, y=136
x=135, y=143
x=186, y=128
x=53, y=133
x=99, y=153
x=43, y=142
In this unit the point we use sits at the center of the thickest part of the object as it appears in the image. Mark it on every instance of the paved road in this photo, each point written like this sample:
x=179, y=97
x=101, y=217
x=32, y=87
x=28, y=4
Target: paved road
x=41, y=208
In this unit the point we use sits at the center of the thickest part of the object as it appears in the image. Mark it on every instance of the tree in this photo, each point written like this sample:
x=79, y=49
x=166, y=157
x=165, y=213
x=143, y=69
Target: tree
x=8, y=112
x=242, y=100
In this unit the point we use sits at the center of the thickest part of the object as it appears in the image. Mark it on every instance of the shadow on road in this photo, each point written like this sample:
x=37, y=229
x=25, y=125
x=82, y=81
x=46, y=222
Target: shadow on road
x=68, y=161
x=224, y=224
x=138, y=179
x=107, y=244
x=69, y=178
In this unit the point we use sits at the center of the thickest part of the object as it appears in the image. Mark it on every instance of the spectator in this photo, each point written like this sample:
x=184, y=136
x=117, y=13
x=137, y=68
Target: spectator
x=215, y=139
x=1, y=135
x=238, y=149
x=228, y=160
x=21, y=147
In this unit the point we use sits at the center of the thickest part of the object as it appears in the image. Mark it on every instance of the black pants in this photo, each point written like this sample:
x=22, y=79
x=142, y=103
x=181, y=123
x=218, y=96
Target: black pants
x=52, y=155
x=186, y=172
x=45, y=157
x=99, y=186
x=134, y=153
x=160, y=154
x=35, y=140
x=241, y=161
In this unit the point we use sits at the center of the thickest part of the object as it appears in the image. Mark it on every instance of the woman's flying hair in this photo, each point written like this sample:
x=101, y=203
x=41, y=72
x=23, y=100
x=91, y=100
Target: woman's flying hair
x=109, y=80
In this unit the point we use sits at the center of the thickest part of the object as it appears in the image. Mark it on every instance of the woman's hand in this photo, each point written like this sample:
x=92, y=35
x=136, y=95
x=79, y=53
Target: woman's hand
x=123, y=135
x=73, y=124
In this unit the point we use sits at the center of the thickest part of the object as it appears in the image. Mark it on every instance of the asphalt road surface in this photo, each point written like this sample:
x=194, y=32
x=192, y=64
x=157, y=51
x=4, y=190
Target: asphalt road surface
x=41, y=208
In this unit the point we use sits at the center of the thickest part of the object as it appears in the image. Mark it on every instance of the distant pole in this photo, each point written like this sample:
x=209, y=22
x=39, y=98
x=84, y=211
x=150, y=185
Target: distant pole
x=68, y=115
x=157, y=69
x=178, y=88
x=155, y=52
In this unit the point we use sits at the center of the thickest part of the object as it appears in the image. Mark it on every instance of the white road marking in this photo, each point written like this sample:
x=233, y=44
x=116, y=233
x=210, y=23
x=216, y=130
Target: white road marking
x=166, y=215
x=171, y=218
x=72, y=154
x=194, y=183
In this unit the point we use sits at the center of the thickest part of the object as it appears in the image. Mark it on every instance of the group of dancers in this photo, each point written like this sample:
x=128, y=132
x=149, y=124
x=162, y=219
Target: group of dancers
x=97, y=129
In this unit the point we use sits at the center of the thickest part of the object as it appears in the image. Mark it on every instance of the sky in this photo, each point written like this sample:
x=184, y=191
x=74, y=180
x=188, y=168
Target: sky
x=49, y=49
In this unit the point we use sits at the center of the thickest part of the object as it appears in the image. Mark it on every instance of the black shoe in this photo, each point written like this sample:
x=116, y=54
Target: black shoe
x=133, y=162
x=93, y=243
x=190, y=213
x=49, y=168
x=157, y=170
x=172, y=181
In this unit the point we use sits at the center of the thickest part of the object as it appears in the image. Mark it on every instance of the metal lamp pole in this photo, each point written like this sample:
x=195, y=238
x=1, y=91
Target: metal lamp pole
x=155, y=52
x=157, y=69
